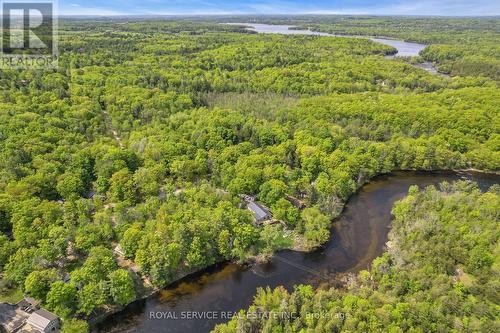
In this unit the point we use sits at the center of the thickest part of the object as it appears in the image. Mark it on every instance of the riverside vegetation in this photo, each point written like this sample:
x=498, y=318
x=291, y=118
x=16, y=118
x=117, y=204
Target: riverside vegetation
x=149, y=130
x=460, y=46
x=440, y=274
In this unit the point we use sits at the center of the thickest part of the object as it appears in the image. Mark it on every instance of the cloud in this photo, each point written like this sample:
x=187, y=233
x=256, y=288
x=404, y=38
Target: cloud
x=444, y=8
x=262, y=7
x=90, y=11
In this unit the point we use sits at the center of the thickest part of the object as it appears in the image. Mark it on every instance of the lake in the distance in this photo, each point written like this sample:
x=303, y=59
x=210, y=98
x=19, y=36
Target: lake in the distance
x=405, y=49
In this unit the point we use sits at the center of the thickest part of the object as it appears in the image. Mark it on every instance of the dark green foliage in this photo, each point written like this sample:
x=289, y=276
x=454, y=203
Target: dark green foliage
x=75, y=326
x=460, y=46
x=148, y=132
x=439, y=275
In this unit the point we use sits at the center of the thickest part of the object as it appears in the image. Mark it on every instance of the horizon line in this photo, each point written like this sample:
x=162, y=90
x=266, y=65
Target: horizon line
x=275, y=15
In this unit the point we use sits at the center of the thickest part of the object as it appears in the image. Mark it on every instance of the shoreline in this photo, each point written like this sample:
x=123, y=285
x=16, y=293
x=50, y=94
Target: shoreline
x=384, y=40
x=93, y=322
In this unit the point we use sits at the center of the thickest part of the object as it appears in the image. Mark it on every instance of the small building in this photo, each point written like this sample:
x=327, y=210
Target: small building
x=247, y=198
x=119, y=251
x=28, y=304
x=90, y=194
x=43, y=321
x=299, y=204
x=66, y=278
x=260, y=213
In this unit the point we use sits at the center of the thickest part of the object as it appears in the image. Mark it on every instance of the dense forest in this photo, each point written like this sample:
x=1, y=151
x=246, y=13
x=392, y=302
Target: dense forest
x=460, y=46
x=440, y=274
x=149, y=131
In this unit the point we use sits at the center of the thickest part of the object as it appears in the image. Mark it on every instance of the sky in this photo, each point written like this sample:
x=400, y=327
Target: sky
x=261, y=7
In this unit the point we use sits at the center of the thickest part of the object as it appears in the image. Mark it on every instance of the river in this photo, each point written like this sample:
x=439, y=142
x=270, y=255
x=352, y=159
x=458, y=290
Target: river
x=405, y=49
x=358, y=236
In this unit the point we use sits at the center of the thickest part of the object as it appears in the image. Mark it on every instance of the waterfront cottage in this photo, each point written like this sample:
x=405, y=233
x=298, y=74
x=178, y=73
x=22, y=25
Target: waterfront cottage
x=260, y=213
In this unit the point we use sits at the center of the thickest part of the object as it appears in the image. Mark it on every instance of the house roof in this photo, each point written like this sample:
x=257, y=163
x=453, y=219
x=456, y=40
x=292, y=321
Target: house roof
x=118, y=249
x=32, y=300
x=259, y=212
x=28, y=304
x=41, y=318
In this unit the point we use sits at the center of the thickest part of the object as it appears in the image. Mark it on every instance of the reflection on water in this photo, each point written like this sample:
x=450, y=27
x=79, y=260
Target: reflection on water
x=405, y=49
x=280, y=29
x=358, y=237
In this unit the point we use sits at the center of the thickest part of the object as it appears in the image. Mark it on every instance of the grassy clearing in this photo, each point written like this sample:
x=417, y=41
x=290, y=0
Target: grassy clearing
x=11, y=296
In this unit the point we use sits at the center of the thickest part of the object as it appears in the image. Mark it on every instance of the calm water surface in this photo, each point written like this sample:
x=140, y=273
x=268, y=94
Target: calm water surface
x=358, y=237
x=405, y=49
